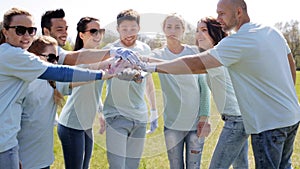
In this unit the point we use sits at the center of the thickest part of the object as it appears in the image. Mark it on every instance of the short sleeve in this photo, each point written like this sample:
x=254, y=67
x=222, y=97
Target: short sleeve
x=62, y=55
x=227, y=51
x=22, y=64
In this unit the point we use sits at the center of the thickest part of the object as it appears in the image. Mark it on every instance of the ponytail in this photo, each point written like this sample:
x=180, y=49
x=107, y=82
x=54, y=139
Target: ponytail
x=57, y=96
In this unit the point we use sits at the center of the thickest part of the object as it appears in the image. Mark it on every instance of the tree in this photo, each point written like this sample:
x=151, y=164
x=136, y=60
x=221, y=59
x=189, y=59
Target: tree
x=291, y=32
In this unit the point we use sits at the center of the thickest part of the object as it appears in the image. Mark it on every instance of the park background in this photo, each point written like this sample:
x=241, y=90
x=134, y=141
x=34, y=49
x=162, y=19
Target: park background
x=155, y=156
x=284, y=15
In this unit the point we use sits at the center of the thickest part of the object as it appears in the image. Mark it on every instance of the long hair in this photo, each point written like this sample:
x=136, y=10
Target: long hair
x=214, y=29
x=37, y=47
x=2, y=37
x=81, y=27
x=174, y=15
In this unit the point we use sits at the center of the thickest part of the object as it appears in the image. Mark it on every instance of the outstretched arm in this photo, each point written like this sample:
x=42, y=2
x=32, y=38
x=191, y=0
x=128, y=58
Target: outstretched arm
x=150, y=94
x=72, y=74
x=86, y=56
x=190, y=64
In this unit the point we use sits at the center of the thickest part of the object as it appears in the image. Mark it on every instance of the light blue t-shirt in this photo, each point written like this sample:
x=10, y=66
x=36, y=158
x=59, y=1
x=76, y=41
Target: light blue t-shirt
x=36, y=134
x=62, y=55
x=186, y=97
x=18, y=68
x=80, y=109
x=127, y=97
x=256, y=57
x=222, y=90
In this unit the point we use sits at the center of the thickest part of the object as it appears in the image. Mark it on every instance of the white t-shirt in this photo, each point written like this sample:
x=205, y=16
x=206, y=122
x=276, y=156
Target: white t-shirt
x=80, y=109
x=127, y=97
x=222, y=90
x=62, y=55
x=18, y=68
x=36, y=134
x=185, y=97
x=256, y=57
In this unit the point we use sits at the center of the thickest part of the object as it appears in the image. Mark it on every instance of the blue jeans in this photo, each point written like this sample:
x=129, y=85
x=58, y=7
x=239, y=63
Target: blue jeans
x=125, y=142
x=273, y=148
x=175, y=141
x=77, y=146
x=10, y=159
x=232, y=146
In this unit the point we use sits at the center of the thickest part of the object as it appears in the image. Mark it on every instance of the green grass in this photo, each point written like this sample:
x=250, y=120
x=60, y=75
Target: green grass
x=155, y=156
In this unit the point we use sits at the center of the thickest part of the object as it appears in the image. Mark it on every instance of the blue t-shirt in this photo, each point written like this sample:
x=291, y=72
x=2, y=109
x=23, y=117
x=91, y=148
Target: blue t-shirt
x=36, y=134
x=186, y=97
x=257, y=61
x=127, y=97
x=18, y=68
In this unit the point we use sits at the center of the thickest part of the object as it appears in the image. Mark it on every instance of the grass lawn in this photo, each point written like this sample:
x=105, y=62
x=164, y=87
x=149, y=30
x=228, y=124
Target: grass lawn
x=155, y=156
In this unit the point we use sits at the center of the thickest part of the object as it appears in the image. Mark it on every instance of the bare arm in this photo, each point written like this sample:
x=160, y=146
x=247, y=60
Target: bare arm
x=149, y=59
x=292, y=66
x=190, y=64
x=150, y=92
x=86, y=57
x=76, y=84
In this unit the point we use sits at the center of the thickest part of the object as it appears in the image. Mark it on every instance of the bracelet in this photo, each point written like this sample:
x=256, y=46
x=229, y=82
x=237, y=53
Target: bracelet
x=153, y=111
x=151, y=68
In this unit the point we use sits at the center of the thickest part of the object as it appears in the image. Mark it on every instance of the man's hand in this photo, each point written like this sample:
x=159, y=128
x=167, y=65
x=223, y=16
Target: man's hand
x=153, y=121
x=118, y=65
x=129, y=74
x=125, y=54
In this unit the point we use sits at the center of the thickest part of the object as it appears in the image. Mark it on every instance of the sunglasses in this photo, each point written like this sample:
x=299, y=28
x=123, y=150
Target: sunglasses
x=95, y=32
x=51, y=57
x=21, y=30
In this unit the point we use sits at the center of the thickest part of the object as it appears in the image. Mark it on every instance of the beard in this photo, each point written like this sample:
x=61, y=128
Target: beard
x=232, y=24
x=129, y=43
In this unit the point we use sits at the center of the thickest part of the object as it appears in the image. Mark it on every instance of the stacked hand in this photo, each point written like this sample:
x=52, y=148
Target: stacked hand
x=129, y=74
x=126, y=54
x=127, y=64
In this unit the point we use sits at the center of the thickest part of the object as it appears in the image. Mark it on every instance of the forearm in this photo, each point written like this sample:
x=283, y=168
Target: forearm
x=148, y=59
x=76, y=84
x=204, y=96
x=86, y=57
x=292, y=66
x=190, y=64
x=70, y=74
x=150, y=92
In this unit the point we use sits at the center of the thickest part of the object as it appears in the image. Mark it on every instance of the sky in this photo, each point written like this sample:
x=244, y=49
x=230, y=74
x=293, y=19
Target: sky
x=263, y=11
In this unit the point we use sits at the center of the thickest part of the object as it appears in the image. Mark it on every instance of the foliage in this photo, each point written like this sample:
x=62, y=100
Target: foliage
x=68, y=46
x=291, y=32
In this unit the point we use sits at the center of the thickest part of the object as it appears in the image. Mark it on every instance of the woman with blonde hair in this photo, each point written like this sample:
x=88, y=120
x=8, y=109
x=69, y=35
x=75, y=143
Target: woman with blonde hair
x=18, y=68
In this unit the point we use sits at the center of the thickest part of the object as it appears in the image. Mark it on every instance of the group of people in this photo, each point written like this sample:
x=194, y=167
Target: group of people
x=250, y=73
